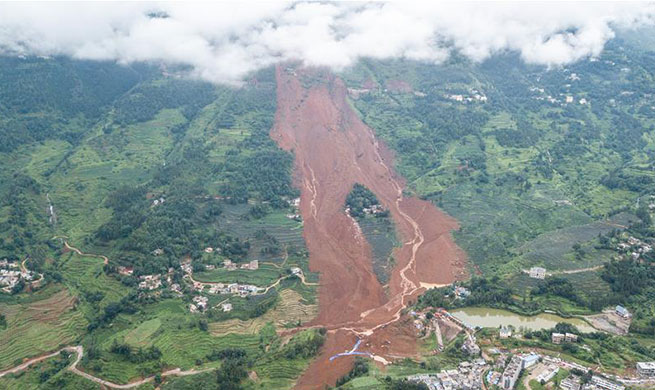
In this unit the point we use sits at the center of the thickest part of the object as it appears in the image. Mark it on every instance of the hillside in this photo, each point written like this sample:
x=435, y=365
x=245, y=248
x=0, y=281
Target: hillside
x=262, y=230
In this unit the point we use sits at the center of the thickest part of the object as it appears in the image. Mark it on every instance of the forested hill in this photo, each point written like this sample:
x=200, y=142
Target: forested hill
x=103, y=141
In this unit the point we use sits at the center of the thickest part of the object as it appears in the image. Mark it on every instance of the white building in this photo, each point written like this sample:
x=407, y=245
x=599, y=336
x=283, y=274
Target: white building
x=646, y=369
x=512, y=373
x=537, y=273
x=548, y=374
x=605, y=384
x=530, y=360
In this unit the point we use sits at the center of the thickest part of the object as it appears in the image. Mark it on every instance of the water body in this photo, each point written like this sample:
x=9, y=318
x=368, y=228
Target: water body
x=493, y=318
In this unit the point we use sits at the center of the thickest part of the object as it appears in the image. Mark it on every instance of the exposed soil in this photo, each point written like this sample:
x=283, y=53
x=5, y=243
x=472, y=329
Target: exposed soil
x=334, y=150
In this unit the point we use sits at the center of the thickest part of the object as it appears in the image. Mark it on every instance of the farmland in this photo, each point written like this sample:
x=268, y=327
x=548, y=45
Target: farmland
x=39, y=327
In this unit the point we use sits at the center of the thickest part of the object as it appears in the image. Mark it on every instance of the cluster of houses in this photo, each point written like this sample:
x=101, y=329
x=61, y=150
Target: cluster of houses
x=467, y=376
x=231, y=266
x=11, y=275
x=295, y=203
x=521, y=362
x=563, y=99
x=199, y=304
x=559, y=338
x=374, y=209
x=474, y=96
x=548, y=367
x=243, y=290
x=150, y=282
x=634, y=247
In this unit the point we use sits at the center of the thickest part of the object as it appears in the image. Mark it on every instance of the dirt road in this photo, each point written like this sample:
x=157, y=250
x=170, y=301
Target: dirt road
x=104, y=258
x=79, y=351
x=334, y=150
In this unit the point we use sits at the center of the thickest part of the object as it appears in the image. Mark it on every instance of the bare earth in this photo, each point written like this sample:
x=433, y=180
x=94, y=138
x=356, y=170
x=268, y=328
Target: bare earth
x=334, y=150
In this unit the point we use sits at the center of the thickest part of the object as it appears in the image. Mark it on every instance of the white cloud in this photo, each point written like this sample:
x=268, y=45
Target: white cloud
x=222, y=42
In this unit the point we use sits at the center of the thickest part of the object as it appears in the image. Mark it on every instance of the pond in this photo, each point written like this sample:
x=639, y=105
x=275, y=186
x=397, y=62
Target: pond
x=493, y=318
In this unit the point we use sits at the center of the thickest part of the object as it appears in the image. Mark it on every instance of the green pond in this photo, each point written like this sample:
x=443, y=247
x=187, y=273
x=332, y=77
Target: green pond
x=493, y=318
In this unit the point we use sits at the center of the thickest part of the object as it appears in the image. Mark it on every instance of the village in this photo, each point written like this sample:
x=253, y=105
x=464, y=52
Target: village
x=503, y=368
x=155, y=282
x=12, y=274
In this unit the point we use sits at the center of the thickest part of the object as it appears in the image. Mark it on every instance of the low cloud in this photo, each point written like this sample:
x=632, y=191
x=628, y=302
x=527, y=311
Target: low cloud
x=223, y=42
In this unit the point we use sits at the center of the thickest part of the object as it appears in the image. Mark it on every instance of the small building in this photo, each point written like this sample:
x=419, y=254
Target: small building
x=505, y=332
x=226, y=307
x=229, y=265
x=623, y=312
x=646, y=369
x=558, y=338
x=571, y=338
x=158, y=252
x=548, y=374
x=253, y=265
x=126, y=271
x=605, y=384
x=209, y=249
x=200, y=302
x=462, y=292
x=537, y=273
x=471, y=348
x=296, y=271
x=571, y=382
x=530, y=360
x=569, y=99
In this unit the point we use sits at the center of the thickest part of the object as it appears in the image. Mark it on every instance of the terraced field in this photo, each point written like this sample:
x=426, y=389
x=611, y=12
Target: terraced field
x=39, y=327
x=31, y=380
x=380, y=234
x=550, y=249
x=85, y=275
x=263, y=277
x=290, y=309
x=287, y=231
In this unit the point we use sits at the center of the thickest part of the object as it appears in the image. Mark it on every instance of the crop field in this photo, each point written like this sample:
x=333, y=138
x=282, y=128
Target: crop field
x=552, y=250
x=39, y=327
x=279, y=373
x=380, y=234
x=168, y=326
x=51, y=380
x=291, y=309
x=589, y=282
x=85, y=275
x=287, y=231
x=100, y=165
x=264, y=276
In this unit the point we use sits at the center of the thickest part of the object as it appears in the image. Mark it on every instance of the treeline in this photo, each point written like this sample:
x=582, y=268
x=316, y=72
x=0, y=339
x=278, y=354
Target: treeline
x=306, y=344
x=360, y=198
x=360, y=368
x=145, y=101
x=138, y=355
x=41, y=98
x=112, y=310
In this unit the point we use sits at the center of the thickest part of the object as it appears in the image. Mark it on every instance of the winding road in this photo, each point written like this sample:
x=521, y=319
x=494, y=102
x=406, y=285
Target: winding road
x=79, y=351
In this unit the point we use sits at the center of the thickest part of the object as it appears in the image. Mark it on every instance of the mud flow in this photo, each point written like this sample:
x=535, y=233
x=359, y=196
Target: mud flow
x=334, y=150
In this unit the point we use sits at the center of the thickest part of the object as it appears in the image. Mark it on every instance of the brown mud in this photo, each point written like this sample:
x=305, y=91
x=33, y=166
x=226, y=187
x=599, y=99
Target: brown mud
x=334, y=150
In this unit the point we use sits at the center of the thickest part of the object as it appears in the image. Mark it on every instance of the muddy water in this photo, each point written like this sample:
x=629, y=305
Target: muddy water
x=493, y=318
